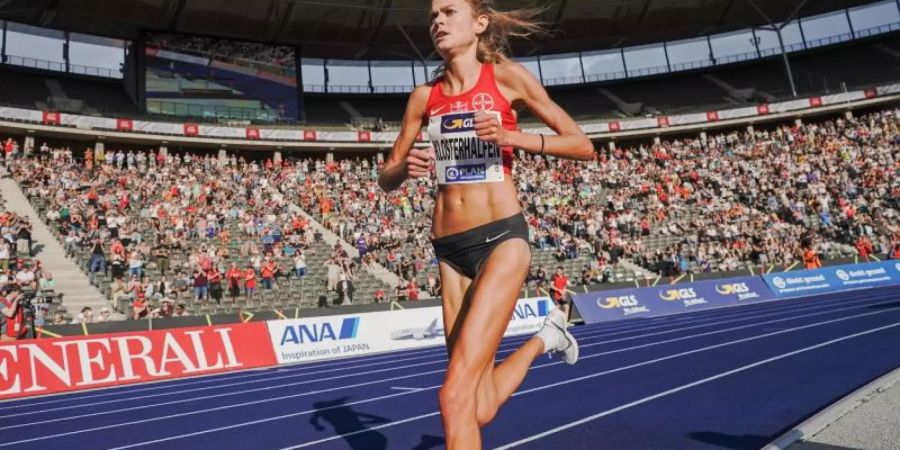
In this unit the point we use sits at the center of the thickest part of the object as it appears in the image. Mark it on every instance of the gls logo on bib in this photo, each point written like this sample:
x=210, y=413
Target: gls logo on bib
x=458, y=123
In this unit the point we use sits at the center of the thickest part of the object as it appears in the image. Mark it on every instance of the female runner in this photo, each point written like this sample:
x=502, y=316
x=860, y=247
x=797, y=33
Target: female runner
x=479, y=234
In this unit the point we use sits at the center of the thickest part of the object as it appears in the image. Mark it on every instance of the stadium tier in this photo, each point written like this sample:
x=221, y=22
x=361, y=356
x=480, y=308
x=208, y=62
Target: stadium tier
x=821, y=71
x=735, y=201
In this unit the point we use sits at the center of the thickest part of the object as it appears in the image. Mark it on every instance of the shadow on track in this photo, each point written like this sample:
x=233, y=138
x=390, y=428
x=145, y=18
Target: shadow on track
x=344, y=420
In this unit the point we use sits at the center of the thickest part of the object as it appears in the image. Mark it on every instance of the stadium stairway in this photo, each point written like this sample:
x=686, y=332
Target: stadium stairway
x=629, y=109
x=377, y=270
x=887, y=50
x=70, y=281
x=743, y=95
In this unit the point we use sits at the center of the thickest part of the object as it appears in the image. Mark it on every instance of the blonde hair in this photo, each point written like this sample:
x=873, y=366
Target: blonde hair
x=493, y=43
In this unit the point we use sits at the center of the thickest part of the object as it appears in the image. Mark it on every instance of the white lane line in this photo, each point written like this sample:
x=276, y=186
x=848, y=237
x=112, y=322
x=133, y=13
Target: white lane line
x=401, y=388
x=595, y=375
x=408, y=355
x=690, y=385
x=569, y=381
x=509, y=344
x=274, y=418
x=620, y=328
x=266, y=388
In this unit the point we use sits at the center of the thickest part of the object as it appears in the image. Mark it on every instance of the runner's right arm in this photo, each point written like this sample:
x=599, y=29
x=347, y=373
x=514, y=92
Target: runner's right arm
x=404, y=160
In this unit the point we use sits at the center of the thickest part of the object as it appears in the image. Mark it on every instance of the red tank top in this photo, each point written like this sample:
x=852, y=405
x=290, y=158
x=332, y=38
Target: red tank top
x=462, y=158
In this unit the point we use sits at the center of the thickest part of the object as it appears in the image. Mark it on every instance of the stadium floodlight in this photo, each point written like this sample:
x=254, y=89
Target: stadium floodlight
x=777, y=29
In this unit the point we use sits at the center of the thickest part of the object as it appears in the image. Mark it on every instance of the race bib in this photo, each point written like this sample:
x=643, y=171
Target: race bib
x=460, y=157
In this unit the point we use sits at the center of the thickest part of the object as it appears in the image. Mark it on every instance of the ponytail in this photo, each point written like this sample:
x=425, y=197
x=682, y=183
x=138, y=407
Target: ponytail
x=493, y=43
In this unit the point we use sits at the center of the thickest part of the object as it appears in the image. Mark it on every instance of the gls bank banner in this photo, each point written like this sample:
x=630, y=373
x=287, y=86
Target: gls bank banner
x=835, y=278
x=669, y=299
x=330, y=337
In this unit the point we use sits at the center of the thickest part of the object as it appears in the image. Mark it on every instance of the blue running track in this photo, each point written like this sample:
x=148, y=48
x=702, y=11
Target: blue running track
x=733, y=378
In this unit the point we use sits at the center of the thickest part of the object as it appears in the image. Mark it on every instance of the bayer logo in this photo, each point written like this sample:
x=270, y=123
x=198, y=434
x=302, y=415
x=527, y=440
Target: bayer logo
x=483, y=102
x=452, y=173
x=778, y=282
x=842, y=275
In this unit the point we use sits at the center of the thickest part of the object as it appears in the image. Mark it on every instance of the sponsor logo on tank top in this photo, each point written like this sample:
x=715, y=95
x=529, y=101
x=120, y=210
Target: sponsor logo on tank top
x=458, y=123
x=483, y=102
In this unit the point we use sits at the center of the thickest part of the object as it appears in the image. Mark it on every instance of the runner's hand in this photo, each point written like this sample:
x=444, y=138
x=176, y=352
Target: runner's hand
x=420, y=162
x=489, y=129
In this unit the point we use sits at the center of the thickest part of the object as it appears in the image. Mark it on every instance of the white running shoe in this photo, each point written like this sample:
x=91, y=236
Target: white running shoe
x=557, y=339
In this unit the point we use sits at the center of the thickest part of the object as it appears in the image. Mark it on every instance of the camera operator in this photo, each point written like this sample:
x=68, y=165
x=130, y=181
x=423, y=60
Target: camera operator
x=12, y=324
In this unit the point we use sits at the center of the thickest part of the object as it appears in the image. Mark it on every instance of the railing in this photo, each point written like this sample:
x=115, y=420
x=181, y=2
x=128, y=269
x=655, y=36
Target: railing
x=94, y=71
x=644, y=71
x=56, y=66
x=35, y=63
x=180, y=109
x=395, y=89
x=358, y=89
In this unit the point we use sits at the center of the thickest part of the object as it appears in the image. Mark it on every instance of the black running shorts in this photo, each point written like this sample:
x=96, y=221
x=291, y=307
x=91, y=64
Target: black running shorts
x=467, y=251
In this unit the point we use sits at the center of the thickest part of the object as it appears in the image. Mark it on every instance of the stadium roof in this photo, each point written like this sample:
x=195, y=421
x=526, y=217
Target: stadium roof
x=378, y=29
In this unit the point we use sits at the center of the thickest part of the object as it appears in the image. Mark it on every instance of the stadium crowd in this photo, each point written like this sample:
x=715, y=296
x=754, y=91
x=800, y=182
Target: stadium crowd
x=767, y=197
x=130, y=210
x=278, y=55
x=788, y=195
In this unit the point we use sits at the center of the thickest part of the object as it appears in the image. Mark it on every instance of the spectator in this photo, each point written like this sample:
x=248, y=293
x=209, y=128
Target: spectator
x=140, y=306
x=85, y=316
x=183, y=285
x=161, y=254
x=250, y=283
x=105, y=315
x=26, y=278
x=12, y=324
x=215, y=285
x=46, y=284
x=119, y=290
x=333, y=271
x=97, y=263
x=234, y=277
x=345, y=290
x=864, y=247
x=299, y=265
x=412, y=290
x=201, y=285
x=433, y=284
x=4, y=254
x=23, y=233
x=165, y=309
x=268, y=273
x=179, y=311
x=559, y=285
x=162, y=288
x=811, y=259
x=59, y=318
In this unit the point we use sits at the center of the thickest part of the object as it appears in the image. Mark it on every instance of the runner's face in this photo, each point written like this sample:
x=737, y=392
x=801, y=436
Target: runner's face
x=454, y=25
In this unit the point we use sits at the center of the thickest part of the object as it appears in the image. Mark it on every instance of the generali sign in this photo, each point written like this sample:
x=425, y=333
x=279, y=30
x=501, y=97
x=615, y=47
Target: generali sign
x=58, y=365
